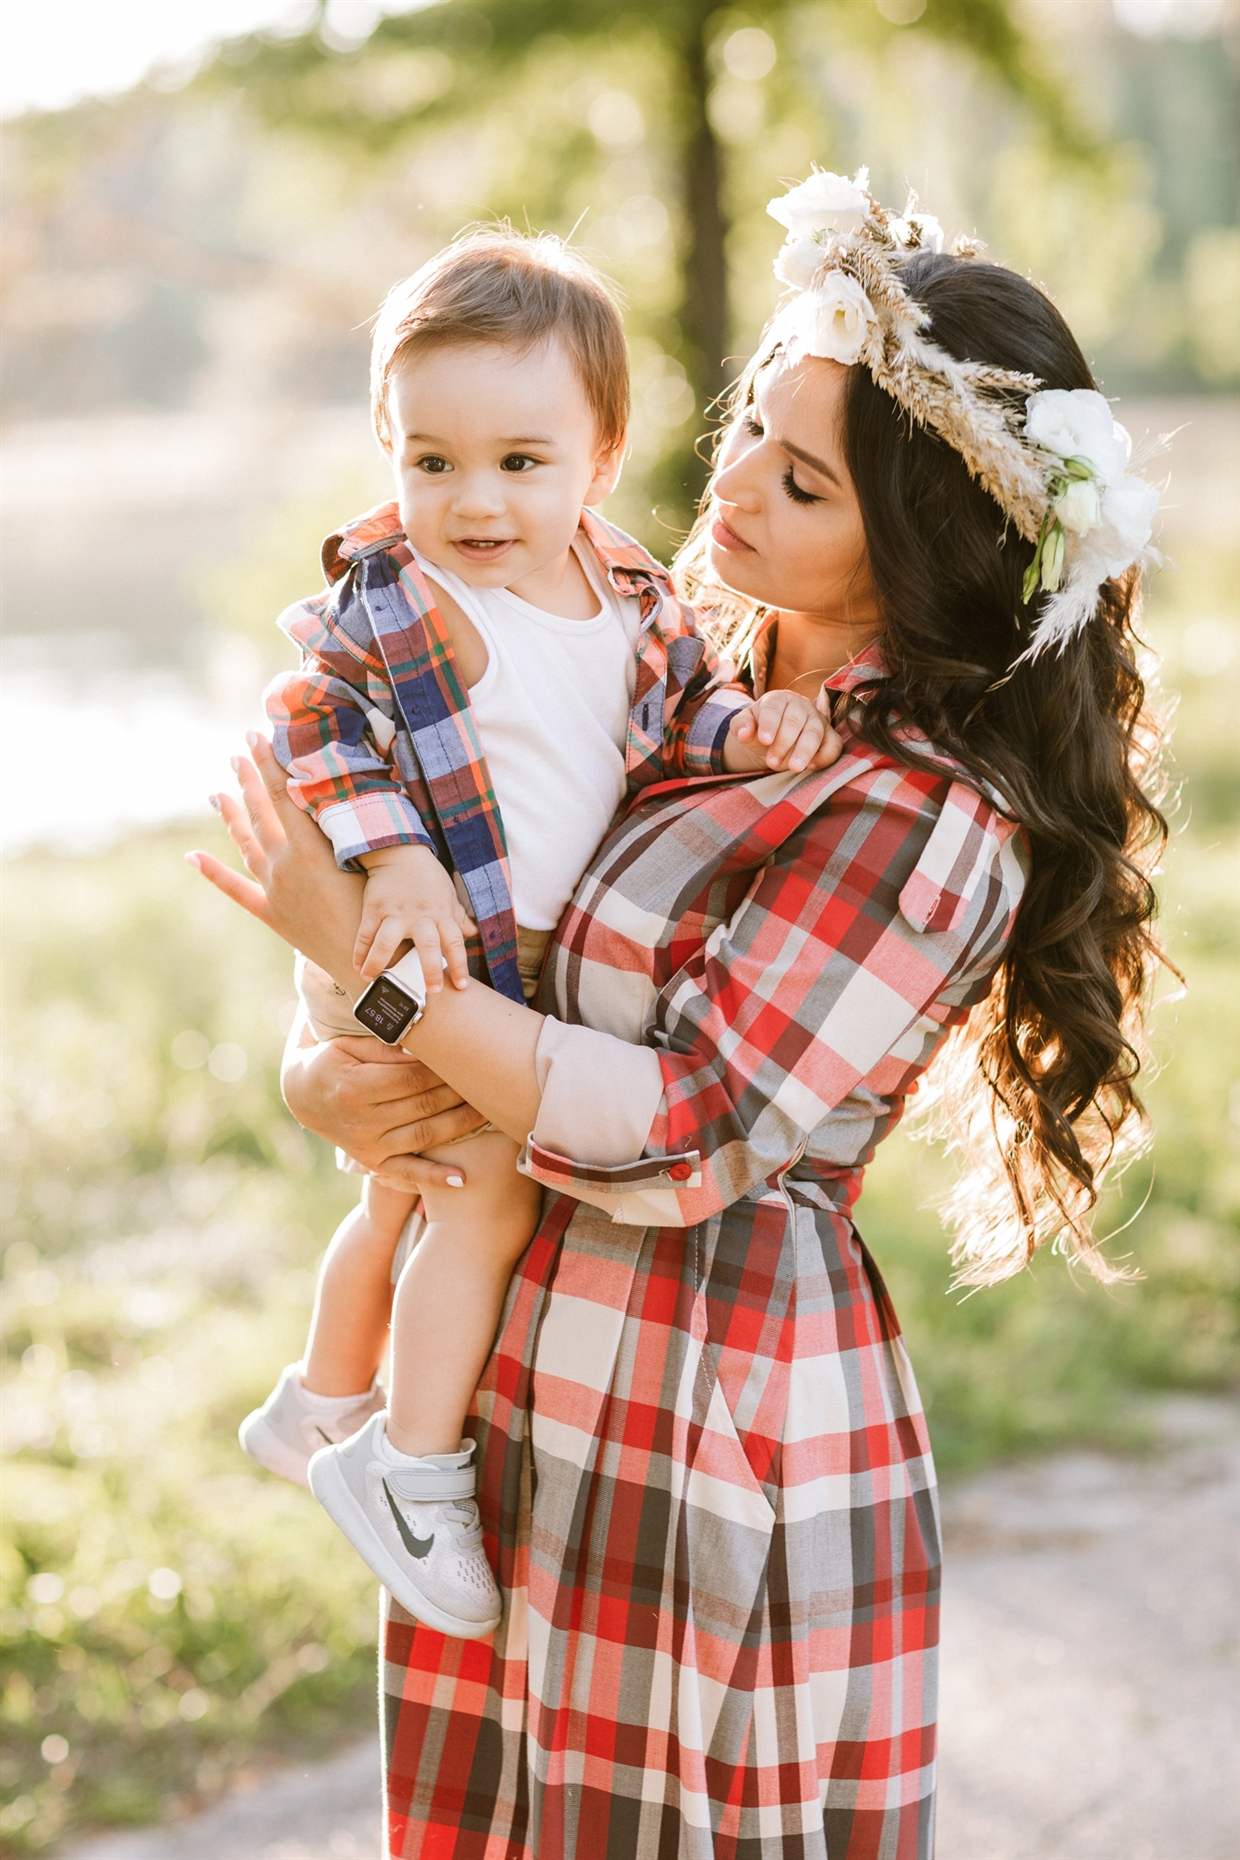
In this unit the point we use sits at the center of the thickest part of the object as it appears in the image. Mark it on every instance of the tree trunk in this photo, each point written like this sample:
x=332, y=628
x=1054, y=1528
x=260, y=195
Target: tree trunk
x=705, y=314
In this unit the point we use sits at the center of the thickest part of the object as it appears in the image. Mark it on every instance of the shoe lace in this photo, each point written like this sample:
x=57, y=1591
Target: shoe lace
x=466, y=1526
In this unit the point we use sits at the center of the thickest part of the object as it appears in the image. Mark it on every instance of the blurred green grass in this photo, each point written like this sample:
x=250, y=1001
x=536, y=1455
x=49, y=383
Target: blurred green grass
x=171, y=1617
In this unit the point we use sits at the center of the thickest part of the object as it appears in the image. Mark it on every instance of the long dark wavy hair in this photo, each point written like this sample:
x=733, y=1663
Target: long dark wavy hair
x=1036, y=1091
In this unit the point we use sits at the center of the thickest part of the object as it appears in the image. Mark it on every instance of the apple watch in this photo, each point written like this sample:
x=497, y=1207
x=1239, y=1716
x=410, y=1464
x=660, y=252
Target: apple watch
x=395, y=1001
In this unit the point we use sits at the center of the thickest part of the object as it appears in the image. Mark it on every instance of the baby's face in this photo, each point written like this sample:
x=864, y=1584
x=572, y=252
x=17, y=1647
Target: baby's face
x=495, y=454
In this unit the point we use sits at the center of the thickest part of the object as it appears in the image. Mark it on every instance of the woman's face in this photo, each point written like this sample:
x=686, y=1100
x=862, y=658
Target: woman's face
x=786, y=526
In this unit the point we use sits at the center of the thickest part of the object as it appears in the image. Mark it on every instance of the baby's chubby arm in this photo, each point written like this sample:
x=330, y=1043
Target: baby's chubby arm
x=780, y=730
x=410, y=898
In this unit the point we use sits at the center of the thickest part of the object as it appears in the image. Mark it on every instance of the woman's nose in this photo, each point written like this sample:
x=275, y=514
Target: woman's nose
x=734, y=485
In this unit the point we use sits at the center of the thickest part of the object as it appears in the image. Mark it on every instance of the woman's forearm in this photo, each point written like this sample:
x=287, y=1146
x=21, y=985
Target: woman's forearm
x=477, y=1042
x=484, y=1046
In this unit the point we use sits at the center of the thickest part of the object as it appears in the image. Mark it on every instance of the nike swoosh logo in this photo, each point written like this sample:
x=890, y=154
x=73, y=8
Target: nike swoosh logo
x=414, y=1545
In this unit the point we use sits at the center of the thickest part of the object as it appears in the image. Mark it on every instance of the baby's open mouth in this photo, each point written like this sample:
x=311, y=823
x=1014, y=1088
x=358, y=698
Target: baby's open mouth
x=483, y=545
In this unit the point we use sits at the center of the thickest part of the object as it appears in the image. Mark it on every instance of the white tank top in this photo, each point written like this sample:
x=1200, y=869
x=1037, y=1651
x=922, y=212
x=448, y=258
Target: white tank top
x=552, y=714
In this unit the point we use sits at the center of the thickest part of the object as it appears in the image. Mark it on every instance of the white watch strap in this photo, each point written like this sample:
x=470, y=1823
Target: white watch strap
x=411, y=975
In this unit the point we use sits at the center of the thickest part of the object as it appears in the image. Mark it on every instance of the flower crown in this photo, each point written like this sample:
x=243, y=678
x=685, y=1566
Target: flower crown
x=1055, y=461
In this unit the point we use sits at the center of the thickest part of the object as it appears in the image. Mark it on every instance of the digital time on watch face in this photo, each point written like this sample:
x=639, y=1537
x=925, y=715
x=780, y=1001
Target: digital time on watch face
x=386, y=1010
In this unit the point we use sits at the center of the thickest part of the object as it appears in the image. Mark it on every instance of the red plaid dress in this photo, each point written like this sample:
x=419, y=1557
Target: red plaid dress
x=704, y=1471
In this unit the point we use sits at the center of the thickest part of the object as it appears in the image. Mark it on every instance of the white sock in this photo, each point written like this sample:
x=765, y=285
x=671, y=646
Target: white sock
x=328, y=1405
x=443, y=1462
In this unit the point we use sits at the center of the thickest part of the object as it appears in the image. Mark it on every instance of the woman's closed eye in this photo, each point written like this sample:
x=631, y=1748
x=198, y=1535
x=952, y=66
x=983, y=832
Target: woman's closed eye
x=795, y=491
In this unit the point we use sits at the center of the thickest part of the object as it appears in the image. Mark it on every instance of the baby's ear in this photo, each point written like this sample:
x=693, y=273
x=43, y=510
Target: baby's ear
x=607, y=468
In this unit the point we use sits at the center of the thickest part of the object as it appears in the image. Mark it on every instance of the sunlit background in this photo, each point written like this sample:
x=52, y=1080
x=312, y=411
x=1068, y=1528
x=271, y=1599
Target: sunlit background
x=204, y=203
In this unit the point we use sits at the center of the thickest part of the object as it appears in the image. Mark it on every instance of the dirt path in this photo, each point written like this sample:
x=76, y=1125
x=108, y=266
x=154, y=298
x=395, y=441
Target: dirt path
x=1090, y=1701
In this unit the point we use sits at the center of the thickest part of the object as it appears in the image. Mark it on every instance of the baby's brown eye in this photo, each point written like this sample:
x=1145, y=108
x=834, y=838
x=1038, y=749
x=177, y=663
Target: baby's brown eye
x=518, y=462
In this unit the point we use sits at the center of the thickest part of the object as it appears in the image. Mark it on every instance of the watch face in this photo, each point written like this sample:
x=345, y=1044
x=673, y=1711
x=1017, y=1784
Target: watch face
x=386, y=1010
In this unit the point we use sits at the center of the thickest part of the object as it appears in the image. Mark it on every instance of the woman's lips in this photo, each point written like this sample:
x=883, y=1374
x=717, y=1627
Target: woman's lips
x=481, y=549
x=728, y=538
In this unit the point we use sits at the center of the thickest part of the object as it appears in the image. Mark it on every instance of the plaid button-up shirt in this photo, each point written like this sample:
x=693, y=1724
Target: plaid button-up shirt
x=376, y=732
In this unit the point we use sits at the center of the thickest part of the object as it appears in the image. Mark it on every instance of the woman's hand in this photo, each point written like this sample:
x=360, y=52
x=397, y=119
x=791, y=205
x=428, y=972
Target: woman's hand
x=296, y=887
x=379, y=1105
x=481, y=1041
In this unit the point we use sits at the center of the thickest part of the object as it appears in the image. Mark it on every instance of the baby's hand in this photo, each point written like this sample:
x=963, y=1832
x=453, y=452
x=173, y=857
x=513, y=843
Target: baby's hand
x=410, y=898
x=780, y=731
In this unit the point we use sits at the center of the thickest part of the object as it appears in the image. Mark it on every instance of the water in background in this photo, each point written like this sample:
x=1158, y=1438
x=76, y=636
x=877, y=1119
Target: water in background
x=124, y=692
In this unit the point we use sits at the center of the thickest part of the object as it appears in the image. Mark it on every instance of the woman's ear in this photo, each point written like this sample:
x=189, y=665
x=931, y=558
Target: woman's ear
x=607, y=468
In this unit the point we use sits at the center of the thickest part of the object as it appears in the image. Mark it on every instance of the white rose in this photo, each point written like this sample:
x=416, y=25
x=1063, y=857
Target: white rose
x=1080, y=507
x=832, y=320
x=824, y=203
x=1077, y=423
x=1128, y=512
x=797, y=262
x=905, y=232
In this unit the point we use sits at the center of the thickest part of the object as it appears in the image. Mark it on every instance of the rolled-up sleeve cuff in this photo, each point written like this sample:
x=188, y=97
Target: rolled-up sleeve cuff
x=708, y=731
x=370, y=822
x=600, y=1097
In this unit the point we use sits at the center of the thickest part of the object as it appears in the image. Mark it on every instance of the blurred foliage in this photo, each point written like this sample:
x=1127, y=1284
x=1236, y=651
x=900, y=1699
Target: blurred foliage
x=222, y=239
x=694, y=65
x=171, y=1616
x=168, y=1613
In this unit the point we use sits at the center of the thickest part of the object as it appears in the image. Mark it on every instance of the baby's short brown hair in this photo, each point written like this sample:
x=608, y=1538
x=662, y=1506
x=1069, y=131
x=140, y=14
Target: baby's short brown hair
x=496, y=285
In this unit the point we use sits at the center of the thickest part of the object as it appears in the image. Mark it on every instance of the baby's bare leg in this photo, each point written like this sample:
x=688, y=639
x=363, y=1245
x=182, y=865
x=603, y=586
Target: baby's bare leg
x=448, y=1302
x=348, y=1332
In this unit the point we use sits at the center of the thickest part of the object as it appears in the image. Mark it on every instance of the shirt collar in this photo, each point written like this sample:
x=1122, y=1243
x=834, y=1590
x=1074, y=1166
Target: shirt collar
x=626, y=564
x=863, y=668
x=362, y=536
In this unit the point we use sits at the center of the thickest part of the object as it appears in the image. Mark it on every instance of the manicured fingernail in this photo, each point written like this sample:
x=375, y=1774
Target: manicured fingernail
x=192, y=859
x=234, y=763
x=214, y=799
x=251, y=737
x=456, y=1181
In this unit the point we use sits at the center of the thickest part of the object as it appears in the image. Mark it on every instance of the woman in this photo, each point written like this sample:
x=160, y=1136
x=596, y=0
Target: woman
x=702, y=1452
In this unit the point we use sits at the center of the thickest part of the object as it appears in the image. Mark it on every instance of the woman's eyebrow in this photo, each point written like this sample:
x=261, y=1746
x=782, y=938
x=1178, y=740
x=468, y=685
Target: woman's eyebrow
x=807, y=458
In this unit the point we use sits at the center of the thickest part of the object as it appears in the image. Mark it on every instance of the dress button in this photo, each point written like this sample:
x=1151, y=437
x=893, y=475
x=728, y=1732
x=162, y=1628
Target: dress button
x=680, y=1171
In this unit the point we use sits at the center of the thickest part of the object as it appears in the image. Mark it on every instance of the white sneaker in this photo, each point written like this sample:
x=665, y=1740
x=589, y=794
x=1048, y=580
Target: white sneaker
x=290, y=1426
x=416, y=1526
